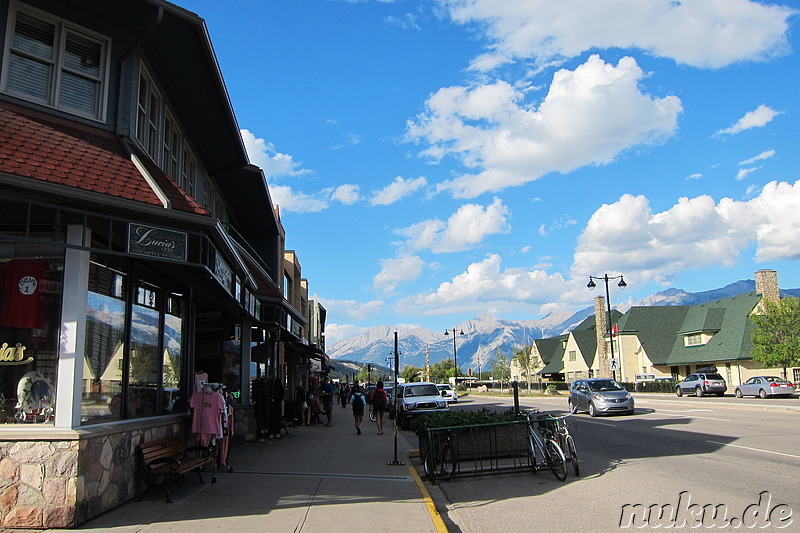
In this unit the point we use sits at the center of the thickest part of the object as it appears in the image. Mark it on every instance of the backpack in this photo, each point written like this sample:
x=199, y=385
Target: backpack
x=378, y=400
x=358, y=398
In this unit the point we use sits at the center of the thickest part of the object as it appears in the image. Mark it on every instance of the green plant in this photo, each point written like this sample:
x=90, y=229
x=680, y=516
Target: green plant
x=552, y=389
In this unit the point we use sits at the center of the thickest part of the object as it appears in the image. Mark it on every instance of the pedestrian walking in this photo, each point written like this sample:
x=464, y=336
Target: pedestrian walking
x=303, y=408
x=326, y=391
x=378, y=399
x=358, y=401
x=344, y=396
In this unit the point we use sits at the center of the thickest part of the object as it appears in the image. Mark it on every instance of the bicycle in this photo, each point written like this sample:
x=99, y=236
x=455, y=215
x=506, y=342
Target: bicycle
x=445, y=461
x=542, y=433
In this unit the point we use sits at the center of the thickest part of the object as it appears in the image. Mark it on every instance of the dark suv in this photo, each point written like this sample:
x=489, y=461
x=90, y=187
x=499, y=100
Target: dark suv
x=702, y=383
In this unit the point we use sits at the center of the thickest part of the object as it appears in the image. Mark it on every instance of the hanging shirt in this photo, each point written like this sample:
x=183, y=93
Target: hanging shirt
x=23, y=299
x=208, y=409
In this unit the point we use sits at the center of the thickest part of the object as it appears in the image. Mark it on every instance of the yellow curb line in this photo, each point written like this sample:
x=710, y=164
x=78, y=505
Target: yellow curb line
x=435, y=516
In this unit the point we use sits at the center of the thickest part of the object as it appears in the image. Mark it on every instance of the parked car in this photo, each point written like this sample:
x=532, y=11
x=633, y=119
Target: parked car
x=448, y=392
x=416, y=399
x=600, y=396
x=764, y=386
x=702, y=383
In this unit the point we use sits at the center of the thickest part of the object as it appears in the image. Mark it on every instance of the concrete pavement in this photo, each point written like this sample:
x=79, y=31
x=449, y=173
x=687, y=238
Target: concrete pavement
x=315, y=479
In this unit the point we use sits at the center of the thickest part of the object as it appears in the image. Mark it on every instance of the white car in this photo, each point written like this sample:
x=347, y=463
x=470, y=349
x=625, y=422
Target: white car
x=448, y=392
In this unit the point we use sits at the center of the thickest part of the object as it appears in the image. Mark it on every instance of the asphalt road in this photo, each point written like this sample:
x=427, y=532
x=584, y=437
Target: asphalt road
x=683, y=457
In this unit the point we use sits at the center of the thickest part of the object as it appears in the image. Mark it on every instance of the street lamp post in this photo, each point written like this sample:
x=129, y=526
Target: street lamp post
x=621, y=285
x=455, y=354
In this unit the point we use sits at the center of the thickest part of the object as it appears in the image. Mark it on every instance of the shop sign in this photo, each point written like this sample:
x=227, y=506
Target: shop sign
x=221, y=271
x=14, y=355
x=156, y=242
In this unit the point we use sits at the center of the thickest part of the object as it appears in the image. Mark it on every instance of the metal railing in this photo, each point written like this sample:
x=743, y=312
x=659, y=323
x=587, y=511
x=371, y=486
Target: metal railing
x=476, y=450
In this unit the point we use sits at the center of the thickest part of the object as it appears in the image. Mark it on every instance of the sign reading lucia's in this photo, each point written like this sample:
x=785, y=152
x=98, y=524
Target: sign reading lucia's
x=156, y=242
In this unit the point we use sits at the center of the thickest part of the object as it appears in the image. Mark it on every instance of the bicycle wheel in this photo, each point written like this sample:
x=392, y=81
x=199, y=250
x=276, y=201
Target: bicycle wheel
x=532, y=449
x=372, y=414
x=449, y=461
x=573, y=454
x=556, y=459
x=429, y=465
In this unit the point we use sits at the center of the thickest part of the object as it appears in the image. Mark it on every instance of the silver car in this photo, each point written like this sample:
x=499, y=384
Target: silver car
x=600, y=396
x=702, y=383
x=764, y=386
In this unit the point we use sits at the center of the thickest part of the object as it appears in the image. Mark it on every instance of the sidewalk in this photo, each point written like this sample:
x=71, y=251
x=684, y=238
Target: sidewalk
x=315, y=479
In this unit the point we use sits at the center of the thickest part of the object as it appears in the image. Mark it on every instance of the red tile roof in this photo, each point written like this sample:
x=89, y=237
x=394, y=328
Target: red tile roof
x=43, y=147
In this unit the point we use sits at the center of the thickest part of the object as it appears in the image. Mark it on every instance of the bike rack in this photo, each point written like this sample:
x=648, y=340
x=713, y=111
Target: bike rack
x=481, y=449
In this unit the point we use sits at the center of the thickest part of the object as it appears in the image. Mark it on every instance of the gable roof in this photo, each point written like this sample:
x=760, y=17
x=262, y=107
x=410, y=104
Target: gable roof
x=552, y=353
x=656, y=327
x=729, y=320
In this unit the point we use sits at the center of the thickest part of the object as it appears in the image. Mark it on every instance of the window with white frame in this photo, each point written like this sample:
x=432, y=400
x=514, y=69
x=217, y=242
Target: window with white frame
x=573, y=356
x=695, y=339
x=56, y=63
x=148, y=115
x=796, y=372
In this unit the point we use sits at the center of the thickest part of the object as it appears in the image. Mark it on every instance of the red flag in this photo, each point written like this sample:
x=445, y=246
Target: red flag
x=614, y=331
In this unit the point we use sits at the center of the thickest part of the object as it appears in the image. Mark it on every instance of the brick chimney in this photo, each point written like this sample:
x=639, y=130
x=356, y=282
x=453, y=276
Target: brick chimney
x=601, y=328
x=767, y=285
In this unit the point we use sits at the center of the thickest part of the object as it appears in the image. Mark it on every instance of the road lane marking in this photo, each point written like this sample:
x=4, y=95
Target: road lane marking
x=659, y=412
x=598, y=423
x=754, y=449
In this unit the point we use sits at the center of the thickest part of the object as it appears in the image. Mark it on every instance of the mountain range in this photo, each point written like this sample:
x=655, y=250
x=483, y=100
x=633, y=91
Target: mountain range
x=485, y=335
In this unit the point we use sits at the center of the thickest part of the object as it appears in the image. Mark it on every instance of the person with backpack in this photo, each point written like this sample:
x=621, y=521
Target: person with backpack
x=378, y=400
x=358, y=400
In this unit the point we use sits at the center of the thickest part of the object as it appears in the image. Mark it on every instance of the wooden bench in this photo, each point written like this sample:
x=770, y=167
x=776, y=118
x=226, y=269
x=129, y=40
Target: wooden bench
x=166, y=460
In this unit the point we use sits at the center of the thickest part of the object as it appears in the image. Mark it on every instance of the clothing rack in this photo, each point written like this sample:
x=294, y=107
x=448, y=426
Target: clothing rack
x=212, y=422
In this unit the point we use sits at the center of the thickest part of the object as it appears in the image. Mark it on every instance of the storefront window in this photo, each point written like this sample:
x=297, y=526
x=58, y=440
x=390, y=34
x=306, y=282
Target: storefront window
x=173, y=352
x=144, y=378
x=144, y=363
x=30, y=309
x=105, y=344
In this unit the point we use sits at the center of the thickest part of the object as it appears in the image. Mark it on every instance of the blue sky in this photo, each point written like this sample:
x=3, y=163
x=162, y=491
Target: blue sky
x=442, y=159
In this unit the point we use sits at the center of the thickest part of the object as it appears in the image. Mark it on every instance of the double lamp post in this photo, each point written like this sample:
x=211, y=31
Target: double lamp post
x=455, y=355
x=621, y=285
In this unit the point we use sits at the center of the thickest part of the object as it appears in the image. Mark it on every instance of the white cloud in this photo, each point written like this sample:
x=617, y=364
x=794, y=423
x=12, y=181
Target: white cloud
x=337, y=332
x=264, y=155
x=397, y=190
x=695, y=176
x=701, y=33
x=757, y=118
x=408, y=21
x=484, y=286
x=465, y=228
x=744, y=172
x=589, y=116
x=561, y=223
x=397, y=270
x=351, y=139
x=760, y=157
x=695, y=233
x=351, y=309
x=346, y=194
x=298, y=202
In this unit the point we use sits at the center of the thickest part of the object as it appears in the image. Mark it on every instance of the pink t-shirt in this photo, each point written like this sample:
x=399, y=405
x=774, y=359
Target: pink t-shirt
x=208, y=408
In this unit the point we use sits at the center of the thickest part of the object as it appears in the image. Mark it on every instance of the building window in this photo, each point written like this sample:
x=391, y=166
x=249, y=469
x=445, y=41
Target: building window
x=188, y=171
x=173, y=147
x=796, y=372
x=145, y=377
x=30, y=305
x=695, y=339
x=572, y=355
x=56, y=64
x=148, y=115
